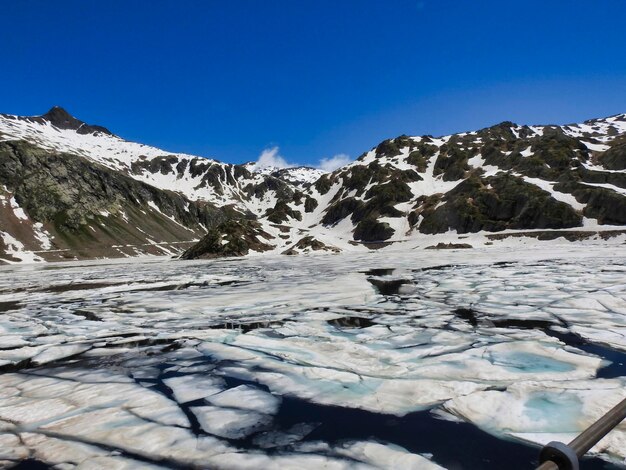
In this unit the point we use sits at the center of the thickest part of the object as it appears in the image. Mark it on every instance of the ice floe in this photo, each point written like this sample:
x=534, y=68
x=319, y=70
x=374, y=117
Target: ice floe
x=247, y=363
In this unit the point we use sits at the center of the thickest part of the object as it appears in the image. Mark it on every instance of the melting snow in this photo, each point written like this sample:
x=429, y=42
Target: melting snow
x=211, y=363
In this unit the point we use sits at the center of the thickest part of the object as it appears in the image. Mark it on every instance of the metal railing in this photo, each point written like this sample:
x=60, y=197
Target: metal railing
x=559, y=456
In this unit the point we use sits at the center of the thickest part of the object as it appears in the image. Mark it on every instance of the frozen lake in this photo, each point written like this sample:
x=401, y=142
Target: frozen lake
x=465, y=359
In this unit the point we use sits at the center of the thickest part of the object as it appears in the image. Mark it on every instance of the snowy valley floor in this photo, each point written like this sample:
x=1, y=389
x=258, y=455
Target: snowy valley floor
x=463, y=359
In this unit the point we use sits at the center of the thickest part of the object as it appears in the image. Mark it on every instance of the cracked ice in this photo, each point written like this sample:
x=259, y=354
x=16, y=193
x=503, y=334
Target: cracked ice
x=335, y=361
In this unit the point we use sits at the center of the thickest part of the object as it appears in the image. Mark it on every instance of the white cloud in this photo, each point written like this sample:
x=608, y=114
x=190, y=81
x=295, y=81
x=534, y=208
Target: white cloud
x=271, y=158
x=332, y=163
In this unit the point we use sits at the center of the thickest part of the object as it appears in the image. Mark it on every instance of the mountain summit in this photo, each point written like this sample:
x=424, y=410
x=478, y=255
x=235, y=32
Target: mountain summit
x=60, y=118
x=68, y=189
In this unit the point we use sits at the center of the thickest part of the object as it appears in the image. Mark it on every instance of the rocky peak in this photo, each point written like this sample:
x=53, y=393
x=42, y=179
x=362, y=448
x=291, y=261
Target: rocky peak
x=60, y=118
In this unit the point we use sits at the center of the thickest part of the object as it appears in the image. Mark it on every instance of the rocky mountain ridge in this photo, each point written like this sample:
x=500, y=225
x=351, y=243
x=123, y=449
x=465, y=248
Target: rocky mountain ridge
x=72, y=190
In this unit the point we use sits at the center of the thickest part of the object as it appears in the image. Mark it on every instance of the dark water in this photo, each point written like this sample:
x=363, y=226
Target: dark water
x=10, y=305
x=379, y=272
x=455, y=446
x=617, y=367
x=617, y=359
x=351, y=322
x=31, y=464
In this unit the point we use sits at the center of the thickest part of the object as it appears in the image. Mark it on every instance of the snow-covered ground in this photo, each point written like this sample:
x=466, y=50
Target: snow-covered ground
x=361, y=360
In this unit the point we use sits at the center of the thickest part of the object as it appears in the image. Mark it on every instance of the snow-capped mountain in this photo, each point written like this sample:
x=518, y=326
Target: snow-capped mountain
x=69, y=189
x=297, y=175
x=503, y=177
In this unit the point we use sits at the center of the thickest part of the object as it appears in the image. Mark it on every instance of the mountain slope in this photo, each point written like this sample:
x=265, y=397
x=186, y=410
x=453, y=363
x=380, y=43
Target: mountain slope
x=204, y=185
x=69, y=189
x=502, y=177
x=66, y=206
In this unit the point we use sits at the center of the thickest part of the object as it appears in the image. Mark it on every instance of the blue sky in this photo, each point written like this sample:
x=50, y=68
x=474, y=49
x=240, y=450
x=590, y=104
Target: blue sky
x=229, y=79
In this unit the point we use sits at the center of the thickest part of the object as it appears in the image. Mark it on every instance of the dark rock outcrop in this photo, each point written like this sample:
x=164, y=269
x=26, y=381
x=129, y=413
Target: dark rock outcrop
x=87, y=206
x=449, y=246
x=615, y=157
x=61, y=119
x=309, y=243
x=371, y=230
x=230, y=238
x=497, y=203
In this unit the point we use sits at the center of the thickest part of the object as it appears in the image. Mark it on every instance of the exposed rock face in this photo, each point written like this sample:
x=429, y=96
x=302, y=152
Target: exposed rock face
x=370, y=230
x=615, y=157
x=281, y=213
x=230, y=238
x=308, y=244
x=86, y=208
x=502, y=177
x=67, y=190
x=66, y=185
x=61, y=119
x=449, y=246
x=497, y=203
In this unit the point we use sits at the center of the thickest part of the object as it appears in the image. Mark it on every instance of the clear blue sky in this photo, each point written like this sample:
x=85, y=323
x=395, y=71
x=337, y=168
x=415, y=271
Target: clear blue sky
x=230, y=78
